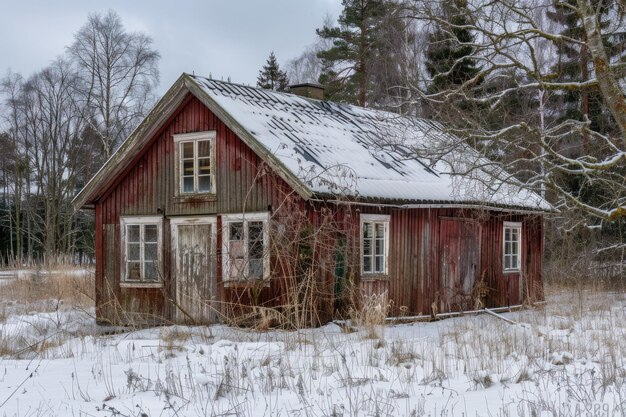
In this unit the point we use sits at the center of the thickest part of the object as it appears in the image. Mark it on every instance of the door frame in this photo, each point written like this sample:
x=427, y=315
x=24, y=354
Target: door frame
x=191, y=221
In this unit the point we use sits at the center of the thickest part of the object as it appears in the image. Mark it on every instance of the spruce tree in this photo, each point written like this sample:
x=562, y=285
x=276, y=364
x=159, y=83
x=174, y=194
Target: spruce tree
x=449, y=60
x=271, y=77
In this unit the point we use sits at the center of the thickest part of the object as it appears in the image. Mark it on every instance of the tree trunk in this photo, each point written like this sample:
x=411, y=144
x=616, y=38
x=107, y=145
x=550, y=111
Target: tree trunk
x=362, y=58
x=607, y=81
x=585, y=96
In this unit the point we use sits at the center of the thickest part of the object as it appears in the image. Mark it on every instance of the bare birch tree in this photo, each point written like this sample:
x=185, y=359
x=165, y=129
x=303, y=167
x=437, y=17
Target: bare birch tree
x=118, y=71
x=511, y=40
x=53, y=130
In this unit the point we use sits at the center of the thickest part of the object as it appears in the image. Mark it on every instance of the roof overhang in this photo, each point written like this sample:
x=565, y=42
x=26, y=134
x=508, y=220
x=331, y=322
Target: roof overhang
x=419, y=204
x=137, y=141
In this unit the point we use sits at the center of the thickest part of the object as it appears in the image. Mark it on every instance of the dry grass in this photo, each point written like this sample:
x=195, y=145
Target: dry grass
x=174, y=339
x=372, y=315
x=69, y=288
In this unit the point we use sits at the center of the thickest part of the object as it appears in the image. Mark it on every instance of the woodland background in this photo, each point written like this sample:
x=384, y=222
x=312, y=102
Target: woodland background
x=537, y=86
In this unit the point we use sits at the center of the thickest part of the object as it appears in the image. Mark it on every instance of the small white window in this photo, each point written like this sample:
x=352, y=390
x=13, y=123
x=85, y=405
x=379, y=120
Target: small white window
x=141, y=249
x=512, y=247
x=195, y=166
x=374, y=244
x=245, y=246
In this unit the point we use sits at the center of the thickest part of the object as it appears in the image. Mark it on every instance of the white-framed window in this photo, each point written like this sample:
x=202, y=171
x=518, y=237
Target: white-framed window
x=512, y=247
x=245, y=247
x=195, y=163
x=142, y=238
x=374, y=244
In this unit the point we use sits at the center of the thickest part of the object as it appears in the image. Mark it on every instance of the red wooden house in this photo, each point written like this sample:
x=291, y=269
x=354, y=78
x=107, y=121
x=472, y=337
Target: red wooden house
x=200, y=208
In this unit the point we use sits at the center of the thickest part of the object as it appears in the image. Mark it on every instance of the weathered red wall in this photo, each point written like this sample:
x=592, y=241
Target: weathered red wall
x=243, y=184
x=414, y=254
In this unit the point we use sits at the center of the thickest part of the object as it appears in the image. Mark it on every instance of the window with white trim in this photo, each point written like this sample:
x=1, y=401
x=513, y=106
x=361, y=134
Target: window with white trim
x=512, y=247
x=141, y=248
x=245, y=246
x=374, y=244
x=195, y=166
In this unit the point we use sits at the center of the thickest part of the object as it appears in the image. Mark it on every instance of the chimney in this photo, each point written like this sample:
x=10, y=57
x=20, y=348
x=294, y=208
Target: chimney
x=309, y=90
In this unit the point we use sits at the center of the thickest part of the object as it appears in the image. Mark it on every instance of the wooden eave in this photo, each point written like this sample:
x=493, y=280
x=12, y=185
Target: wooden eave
x=408, y=204
x=136, y=142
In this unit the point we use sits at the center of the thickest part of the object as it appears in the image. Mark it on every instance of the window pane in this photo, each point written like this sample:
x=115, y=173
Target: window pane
x=507, y=234
x=367, y=230
x=133, y=252
x=507, y=262
x=204, y=148
x=255, y=240
x=236, y=268
x=188, y=168
x=380, y=230
x=188, y=184
x=133, y=271
x=367, y=246
x=507, y=248
x=514, y=248
x=151, y=252
x=204, y=184
x=255, y=269
x=150, y=233
x=236, y=249
x=380, y=264
x=380, y=247
x=514, y=262
x=204, y=166
x=150, y=270
x=367, y=264
x=132, y=233
x=187, y=149
x=236, y=231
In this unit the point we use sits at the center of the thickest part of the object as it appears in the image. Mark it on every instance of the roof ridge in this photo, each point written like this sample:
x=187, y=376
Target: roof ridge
x=329, y=103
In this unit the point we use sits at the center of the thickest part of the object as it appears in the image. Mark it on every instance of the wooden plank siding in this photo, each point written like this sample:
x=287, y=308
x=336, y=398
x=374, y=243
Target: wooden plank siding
x=147, y=187
x=414, y=283
x=245, y=184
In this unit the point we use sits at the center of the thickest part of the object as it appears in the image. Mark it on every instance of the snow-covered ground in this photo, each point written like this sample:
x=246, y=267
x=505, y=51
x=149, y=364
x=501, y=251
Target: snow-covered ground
x=567, y=359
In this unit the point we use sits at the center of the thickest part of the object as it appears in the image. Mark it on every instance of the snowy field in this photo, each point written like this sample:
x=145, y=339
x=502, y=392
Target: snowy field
x=567, y=359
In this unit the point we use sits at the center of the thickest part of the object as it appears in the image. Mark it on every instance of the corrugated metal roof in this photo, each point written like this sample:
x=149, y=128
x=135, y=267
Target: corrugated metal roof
x=348, y=150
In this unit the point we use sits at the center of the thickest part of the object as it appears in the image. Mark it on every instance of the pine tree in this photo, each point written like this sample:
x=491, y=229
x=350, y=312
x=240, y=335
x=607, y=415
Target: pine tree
x=271, y=77
x=356, y=68
x=449, y=60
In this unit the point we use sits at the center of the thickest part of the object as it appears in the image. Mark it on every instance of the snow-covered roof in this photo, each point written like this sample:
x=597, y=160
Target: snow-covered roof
x=323, y=148
x=348, y=150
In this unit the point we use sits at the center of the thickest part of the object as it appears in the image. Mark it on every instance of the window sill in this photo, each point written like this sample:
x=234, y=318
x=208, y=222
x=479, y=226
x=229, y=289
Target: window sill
x=263, y=283
x=374, y=277
x=511, y=272
x=194, y=198
x=141, y=285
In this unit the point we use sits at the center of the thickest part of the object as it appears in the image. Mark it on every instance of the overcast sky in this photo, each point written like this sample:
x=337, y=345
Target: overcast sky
x=225, y=38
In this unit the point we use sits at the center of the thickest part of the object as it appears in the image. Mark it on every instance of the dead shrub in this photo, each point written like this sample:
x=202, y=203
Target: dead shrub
x=174, y=339
x=482, y=379
x=372, y=314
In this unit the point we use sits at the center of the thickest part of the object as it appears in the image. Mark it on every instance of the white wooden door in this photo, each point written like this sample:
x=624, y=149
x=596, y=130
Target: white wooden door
x=193, y=241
